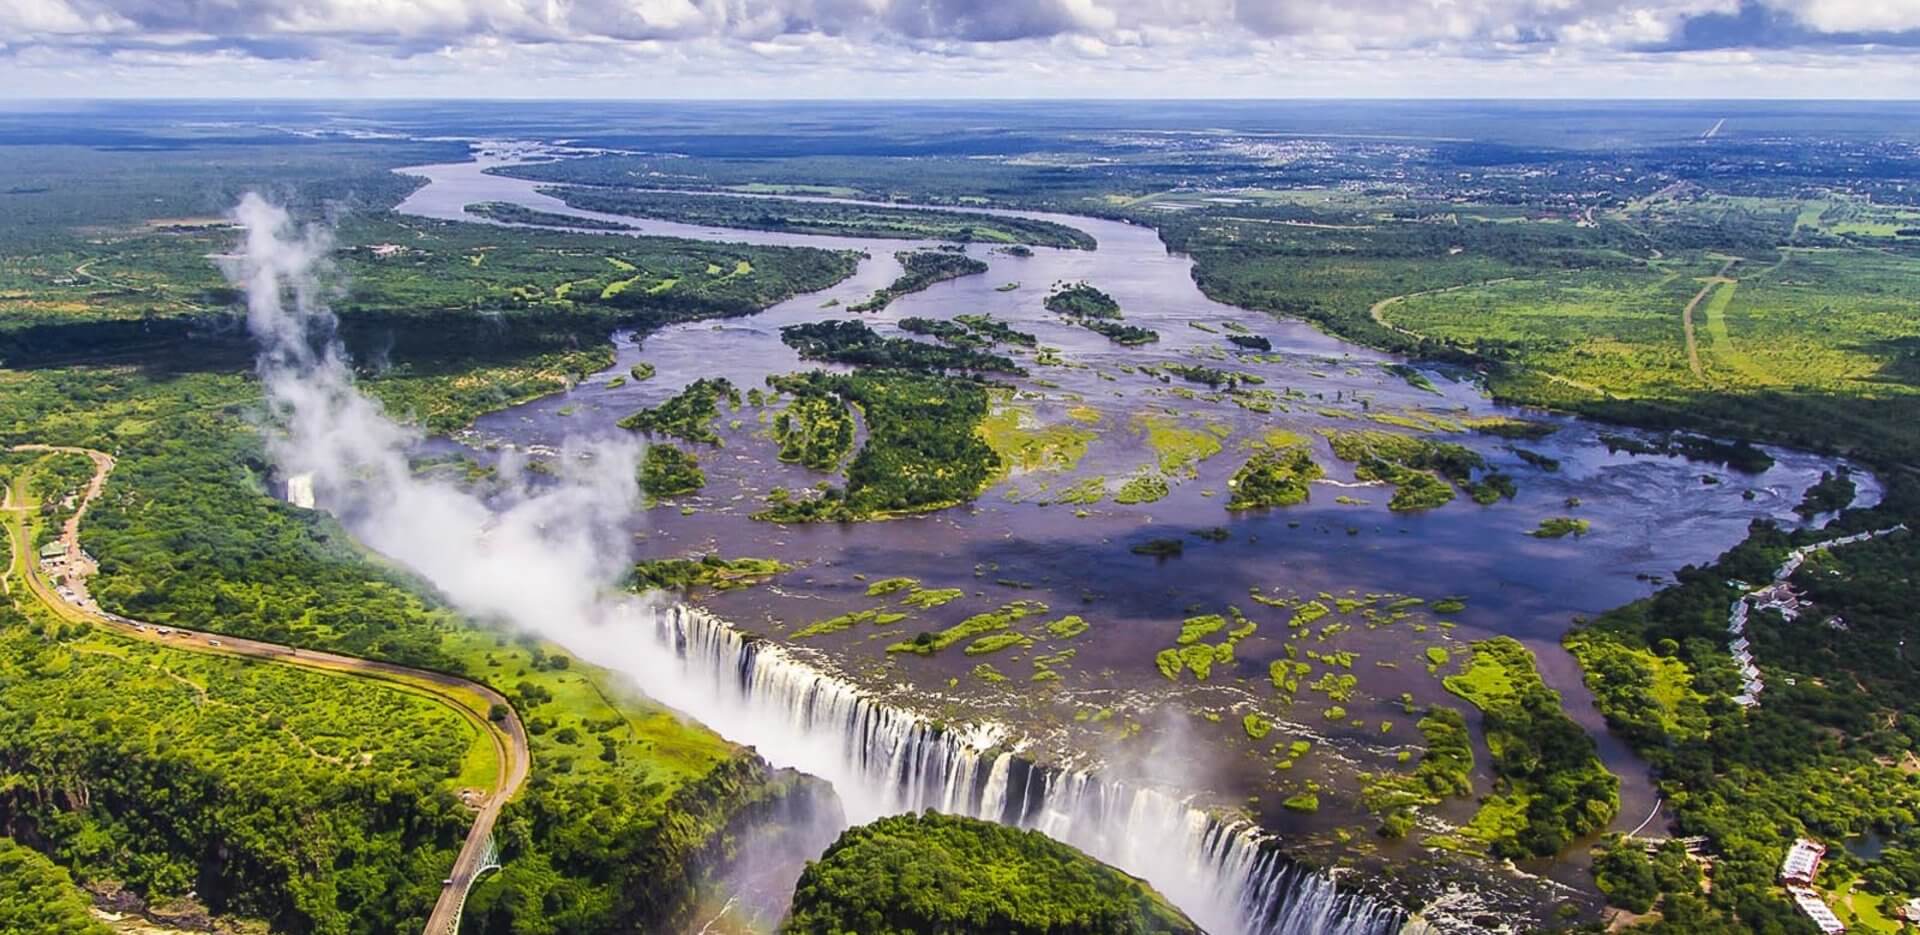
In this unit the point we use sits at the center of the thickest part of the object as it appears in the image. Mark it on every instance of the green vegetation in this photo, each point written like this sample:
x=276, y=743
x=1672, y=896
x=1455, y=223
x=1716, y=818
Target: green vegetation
x=1416, y=466
x=923, y=451
x=921, y=269
x=1550, y=786
x=887, y=586
x=932, y=873
x=852, y=342
x=847, y=621
x=833, y=219
x=815, y=430
x=1023, y=446
x=446, y=397
x=604, y=835
x=995, y=331
x=993, y=621
x=1561, y=526
x=1273, y=477
x=1826, y=754
x=707, y=571
x=1834, y=491
x=1122, y=334
x=1161, y=547
x=1080, y=300
x=667, y=471
x=929, y=598
x=442, y=302
x=949, y=332
x=1096, y=311
x=1067, y=627
x=689, y=414
x=1445, y=769
x=39, y=898
x=510, y=213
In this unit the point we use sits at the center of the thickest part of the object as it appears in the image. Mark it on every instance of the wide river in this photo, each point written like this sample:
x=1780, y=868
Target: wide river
x=1649, y=515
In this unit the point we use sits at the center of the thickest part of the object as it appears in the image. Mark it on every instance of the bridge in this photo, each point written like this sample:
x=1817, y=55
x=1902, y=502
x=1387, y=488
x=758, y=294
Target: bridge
x=453, y=895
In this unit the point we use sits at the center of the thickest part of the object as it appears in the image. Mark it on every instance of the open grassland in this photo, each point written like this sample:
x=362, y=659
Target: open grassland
x=1616, y=329
x=1761, y=317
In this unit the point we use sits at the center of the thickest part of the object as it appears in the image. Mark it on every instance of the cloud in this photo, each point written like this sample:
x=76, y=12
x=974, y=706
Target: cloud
x=816, y=47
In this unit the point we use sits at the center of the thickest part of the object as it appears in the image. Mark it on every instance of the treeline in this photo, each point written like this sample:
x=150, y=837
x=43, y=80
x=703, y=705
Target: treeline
x=1819, y=756
x=315, y=802
x=688, y=414
x=933, y=873
x=852, y=342
x=828, y=218
x=37, y=897
x=1550, y=786
x=923, y=449
x=507, y=212
x=415, y=291
x=921, y=270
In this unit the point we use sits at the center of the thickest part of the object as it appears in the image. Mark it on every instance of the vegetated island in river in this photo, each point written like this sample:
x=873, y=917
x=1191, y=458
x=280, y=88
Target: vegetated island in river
x=829, y=218
x=931, y=873
x=1098, y=312
x=507, y=212
x=920, y=269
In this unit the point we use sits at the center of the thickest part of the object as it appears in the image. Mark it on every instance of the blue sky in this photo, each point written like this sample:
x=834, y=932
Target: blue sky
x=960, y=48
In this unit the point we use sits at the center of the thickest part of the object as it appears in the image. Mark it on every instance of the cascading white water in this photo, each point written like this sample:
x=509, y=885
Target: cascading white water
x=884, y=760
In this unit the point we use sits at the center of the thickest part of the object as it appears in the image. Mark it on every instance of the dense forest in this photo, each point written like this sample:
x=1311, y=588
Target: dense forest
x=923, y=450
x=936, y=874
x=186, y=535
x=852, y=342
x=37, y=897
x=921, y=270
x=834, y=218
x=1822, y=755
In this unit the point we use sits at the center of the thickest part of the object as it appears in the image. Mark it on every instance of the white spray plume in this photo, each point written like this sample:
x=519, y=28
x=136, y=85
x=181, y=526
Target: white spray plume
x=541, y=560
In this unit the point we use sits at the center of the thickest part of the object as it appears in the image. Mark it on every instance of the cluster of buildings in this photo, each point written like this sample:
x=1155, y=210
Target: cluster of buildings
x=1797, y=871
x=1780, y=597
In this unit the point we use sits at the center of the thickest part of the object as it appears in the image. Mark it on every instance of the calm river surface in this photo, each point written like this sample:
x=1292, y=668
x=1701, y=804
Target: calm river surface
x=1649, y=516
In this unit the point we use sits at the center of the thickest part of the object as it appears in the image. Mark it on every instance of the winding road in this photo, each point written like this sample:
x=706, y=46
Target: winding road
x=471, y=700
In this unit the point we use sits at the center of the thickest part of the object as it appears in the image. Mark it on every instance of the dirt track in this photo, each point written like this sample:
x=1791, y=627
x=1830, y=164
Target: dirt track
x=469, y=699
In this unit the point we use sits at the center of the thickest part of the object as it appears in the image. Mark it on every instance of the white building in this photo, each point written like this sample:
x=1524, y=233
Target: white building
x=1817, y=910
x=1802, y=862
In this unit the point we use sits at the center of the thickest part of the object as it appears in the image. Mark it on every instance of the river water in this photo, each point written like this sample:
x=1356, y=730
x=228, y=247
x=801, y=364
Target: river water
x=1649, y=515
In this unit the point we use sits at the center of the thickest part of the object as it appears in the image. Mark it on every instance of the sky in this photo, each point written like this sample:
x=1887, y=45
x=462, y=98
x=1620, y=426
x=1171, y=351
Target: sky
x=792, y=49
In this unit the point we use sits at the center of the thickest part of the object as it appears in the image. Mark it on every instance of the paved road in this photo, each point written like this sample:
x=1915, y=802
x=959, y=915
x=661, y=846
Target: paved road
x=470, y=700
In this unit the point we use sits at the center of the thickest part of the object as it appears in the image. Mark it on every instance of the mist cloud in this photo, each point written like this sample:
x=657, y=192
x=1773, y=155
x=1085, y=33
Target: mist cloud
x=542, y=558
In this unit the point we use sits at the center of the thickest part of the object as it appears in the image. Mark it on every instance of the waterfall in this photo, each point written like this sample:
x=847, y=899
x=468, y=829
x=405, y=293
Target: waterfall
x=1228, y=875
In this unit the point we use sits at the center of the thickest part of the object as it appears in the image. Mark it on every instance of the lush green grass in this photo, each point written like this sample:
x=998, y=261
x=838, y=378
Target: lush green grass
x=1025, y=445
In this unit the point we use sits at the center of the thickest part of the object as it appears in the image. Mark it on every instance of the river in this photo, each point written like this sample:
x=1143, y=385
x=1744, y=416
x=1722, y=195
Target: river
x=1649, y=515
